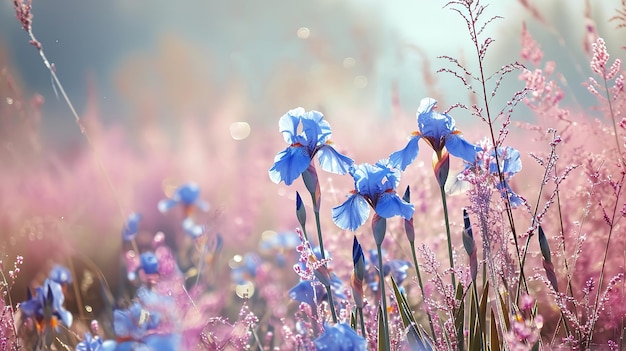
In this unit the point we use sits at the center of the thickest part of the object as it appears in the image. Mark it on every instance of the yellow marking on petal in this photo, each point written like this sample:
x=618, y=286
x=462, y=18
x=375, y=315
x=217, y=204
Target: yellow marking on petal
x=457, y=132
x=54, y=322
x=329, y=142
x=416, y=133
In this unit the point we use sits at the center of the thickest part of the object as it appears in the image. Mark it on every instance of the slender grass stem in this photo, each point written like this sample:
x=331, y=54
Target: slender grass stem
x=447, y=220
x=383, y=297
x=421, y=285
x=605, y=255
x=483, y=83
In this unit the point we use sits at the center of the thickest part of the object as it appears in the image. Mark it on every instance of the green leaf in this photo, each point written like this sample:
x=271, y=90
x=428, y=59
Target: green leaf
x=382, y=338
x=495, y=341
x=353, y=320
x=459, y=316
x=505, y=311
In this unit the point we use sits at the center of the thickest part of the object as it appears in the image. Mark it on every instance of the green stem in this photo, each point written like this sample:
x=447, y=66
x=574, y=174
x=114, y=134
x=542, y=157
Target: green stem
x=383, y=297
x=360, y=310
x=421, y=284
x=319, y=233
x=447, y=220
x=483, y=333
x=328, y=288
x=331, y=303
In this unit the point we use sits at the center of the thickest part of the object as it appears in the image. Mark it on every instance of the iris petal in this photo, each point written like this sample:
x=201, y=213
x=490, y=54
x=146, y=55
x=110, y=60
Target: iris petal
x=390, y=204
x=332, y=161
x=166, y=205
x=288, y=124
x=289, y=164
x=352, y=213
x=460, y=147
x=427, y=104
x=402, y=158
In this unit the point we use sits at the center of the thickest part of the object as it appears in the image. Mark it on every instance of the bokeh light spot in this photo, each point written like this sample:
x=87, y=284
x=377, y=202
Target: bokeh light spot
x=349, y=62
x=239, y=130
x=360, y=81
x=303, y=32
x=245, y=290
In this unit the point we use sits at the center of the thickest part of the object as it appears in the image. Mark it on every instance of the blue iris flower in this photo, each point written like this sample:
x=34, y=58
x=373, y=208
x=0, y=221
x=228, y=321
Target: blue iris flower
x=439, y=131
x=60, y=274
x=313, y=140
x=90, y=343
x=397, y=268
x=139, y=326
x=47, y=305
x=131, y=227
x=247, y=269
x=340, y=337
x=149, y=263
x=188, y=196
x=313, y=294
x=375, y=187
x=510, y=165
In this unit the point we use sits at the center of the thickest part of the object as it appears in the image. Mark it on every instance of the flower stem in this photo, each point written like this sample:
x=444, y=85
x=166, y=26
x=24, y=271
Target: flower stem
x=421, y=284
x=331, y=303
x=447, y=220
x=328, y=287
x=360, y=311
x=319, y=233
x=383, y=299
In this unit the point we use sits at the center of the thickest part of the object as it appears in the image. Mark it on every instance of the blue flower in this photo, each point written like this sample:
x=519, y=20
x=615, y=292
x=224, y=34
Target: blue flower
x=247, y=269
x=192, y=229
x=397, y=268
x=375, y=187
x=510, y=164
x=339, y=337
x=149, y=263
x=313, y=140
x=90, y=343
x=312, y=294
x=439, y=131
x=131, y=227
x=140, y=328
x=46, y=307
x=188, y=196
x=60, y=274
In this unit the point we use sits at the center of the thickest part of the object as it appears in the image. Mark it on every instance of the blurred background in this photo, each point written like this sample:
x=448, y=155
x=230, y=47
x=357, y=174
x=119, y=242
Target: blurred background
x=269, y=56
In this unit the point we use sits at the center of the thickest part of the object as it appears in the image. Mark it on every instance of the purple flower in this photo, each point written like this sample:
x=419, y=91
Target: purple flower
x=314, y=139
x=375, y=187
x=188, y=196
x=439, y=131
x=131, y=227
x=339, y=337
